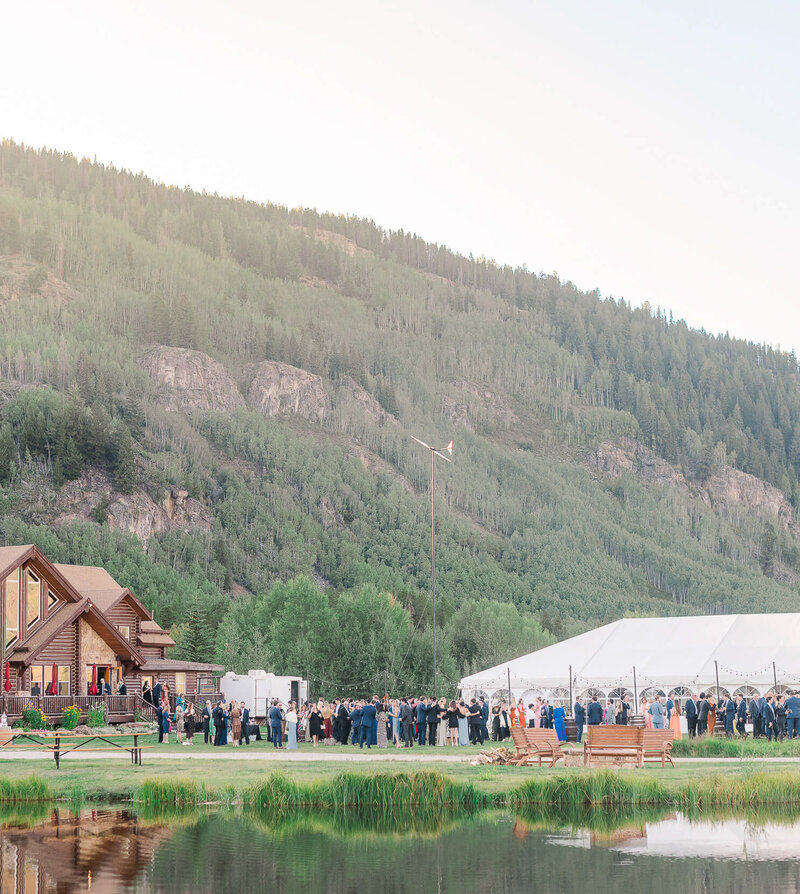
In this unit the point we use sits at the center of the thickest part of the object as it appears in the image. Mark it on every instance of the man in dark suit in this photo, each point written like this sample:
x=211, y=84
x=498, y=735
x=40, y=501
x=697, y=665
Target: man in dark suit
x=475, y=723
x=579, y=713
x=368, y=718
x=626, y=710
x=741, y=714
x=219, y=720
x=730, y=714
x=768, y=720
x=159, y=713
x=690, y=709
x=793, y=715
x=755, y=716
x=206, y=718
x=432, y=716
x=594, y=713
x=422, y=720
x=703, y=708
x=245, y=731
x=484, y=706
x=407, y=723
x=355, y=723
x=123, y=689
x=275, y=724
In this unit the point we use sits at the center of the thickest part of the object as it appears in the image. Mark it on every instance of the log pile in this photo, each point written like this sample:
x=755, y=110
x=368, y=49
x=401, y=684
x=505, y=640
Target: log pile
x=496, y=756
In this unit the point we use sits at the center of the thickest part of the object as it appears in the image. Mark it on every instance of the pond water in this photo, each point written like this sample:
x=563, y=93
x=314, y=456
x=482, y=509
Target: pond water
x=59, y=850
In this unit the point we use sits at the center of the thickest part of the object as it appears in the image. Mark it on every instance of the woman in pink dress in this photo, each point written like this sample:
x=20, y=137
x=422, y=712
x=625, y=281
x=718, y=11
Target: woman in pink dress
x=675, y=721
x=537, y=713
x=648, y=718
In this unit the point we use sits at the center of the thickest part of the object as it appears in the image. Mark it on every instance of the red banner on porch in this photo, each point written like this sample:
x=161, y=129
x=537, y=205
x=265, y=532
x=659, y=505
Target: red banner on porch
x=54, y=684
x=93, y=687
x=7, y=684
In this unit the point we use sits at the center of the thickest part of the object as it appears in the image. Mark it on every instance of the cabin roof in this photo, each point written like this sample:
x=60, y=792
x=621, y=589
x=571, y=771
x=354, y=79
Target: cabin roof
x=11, y=556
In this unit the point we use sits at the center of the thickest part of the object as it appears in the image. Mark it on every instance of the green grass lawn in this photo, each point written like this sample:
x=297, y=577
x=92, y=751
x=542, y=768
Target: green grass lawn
x=114, y=780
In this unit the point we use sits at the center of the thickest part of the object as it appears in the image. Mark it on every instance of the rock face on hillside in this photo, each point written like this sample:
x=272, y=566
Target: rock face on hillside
x=480, y=404
x=134, y=513
x=367, y=403
x=724, y=491
x=278, y=389
x=190, y=380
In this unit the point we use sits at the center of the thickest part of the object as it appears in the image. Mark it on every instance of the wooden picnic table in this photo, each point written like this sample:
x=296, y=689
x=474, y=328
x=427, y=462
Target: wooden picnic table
x=56, y=743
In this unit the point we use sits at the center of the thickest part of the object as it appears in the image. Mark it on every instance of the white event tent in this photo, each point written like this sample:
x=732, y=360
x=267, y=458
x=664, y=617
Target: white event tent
x=752, y=654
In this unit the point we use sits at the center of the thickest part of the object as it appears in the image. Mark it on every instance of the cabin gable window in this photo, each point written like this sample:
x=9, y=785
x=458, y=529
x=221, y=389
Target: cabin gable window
x=34, y=594
x=12, y=607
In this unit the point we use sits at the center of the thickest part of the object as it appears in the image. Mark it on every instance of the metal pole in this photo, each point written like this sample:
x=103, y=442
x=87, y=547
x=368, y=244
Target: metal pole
x=635, y=691
x=570, y=689
x=385, y=684
x=433, y=561
x=308, y=687
x=510, y=699
x=716, y=672
x=775, y=677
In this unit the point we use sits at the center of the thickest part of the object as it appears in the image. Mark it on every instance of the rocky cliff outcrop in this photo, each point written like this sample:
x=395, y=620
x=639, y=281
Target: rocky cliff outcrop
x=190, y=380
x=134, y=513
x=366, y=402
x=278, y=389
x=724, y=491
x=478, y=405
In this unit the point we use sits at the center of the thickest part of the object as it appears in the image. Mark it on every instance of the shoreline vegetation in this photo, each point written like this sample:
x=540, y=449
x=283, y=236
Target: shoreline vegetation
x=425, y=790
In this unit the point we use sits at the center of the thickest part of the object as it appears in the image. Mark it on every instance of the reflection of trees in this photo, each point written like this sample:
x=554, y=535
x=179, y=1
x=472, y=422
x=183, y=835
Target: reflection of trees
x=322, y=851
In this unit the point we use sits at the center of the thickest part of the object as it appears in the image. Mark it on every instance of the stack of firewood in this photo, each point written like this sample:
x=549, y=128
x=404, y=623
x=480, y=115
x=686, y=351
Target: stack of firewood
x=499, y=756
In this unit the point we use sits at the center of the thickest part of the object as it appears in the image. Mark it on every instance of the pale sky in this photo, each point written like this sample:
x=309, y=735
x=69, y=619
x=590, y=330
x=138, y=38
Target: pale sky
x=649, y=150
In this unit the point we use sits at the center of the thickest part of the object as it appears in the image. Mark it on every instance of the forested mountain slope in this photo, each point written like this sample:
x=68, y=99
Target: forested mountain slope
x=235, y=386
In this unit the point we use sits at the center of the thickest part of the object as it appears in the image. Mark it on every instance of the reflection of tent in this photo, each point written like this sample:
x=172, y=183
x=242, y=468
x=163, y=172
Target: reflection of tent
x=667, y=654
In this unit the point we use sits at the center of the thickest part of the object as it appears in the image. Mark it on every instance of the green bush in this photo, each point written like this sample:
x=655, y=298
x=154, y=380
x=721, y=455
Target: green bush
x=95, y=717
x=33, y=718
x=70, y=717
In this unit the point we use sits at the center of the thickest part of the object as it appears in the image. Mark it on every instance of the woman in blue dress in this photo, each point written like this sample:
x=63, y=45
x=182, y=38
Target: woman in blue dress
x=394, y=716
x=291, y=727
x=225, y=722
x=558, y=723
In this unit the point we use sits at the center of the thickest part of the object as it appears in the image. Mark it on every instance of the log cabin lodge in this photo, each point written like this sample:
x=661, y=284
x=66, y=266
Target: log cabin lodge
x=76, y=618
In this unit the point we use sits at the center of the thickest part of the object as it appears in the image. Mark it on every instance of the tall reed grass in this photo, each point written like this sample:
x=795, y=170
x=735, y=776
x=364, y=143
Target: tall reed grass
x=14, y=791
x=606, y=788
x=389, y=790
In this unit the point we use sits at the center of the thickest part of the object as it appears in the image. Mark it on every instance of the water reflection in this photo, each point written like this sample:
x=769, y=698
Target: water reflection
x=316, y=852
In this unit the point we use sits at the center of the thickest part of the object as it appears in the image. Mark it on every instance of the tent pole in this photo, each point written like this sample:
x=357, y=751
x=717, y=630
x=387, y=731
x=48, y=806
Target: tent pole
x=570, y=690
x=716, y=672
x=775, y=677
x=635, y=691
x=510, y=700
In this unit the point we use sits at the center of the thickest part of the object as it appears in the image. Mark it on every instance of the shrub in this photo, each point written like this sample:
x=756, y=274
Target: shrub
x=33, y=718
x=95, y=717
x=70, y=717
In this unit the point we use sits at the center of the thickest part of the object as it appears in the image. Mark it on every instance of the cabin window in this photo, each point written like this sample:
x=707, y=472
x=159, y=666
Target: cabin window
x=125, y=630
x=180, y=683
x=34, y=599
x=63, y=679
x=37, y=679
x=52, y=600
x=12, y=607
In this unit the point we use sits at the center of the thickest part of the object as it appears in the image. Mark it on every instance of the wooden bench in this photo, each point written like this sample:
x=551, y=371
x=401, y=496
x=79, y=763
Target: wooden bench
x=543, y=744
x=624, y=743
x=63, y=743
x=657, y=745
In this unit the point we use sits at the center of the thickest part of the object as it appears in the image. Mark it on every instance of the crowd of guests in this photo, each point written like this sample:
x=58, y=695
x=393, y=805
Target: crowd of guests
x=406, y=722
x=774, y=717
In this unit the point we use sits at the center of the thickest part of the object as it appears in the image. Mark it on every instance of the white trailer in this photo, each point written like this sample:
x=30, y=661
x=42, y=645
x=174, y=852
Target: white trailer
x=258, y=688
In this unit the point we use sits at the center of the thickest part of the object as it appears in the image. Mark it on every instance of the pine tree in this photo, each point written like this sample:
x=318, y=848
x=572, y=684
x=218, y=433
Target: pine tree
x=196, y=643
x=72, y=461
x=125, y=462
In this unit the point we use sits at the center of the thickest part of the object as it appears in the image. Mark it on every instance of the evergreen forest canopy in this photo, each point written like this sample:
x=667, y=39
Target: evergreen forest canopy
x=319, y=531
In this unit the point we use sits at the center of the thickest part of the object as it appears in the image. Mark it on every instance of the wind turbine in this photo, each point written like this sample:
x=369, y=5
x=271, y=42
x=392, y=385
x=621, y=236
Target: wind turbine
x=440, y=452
